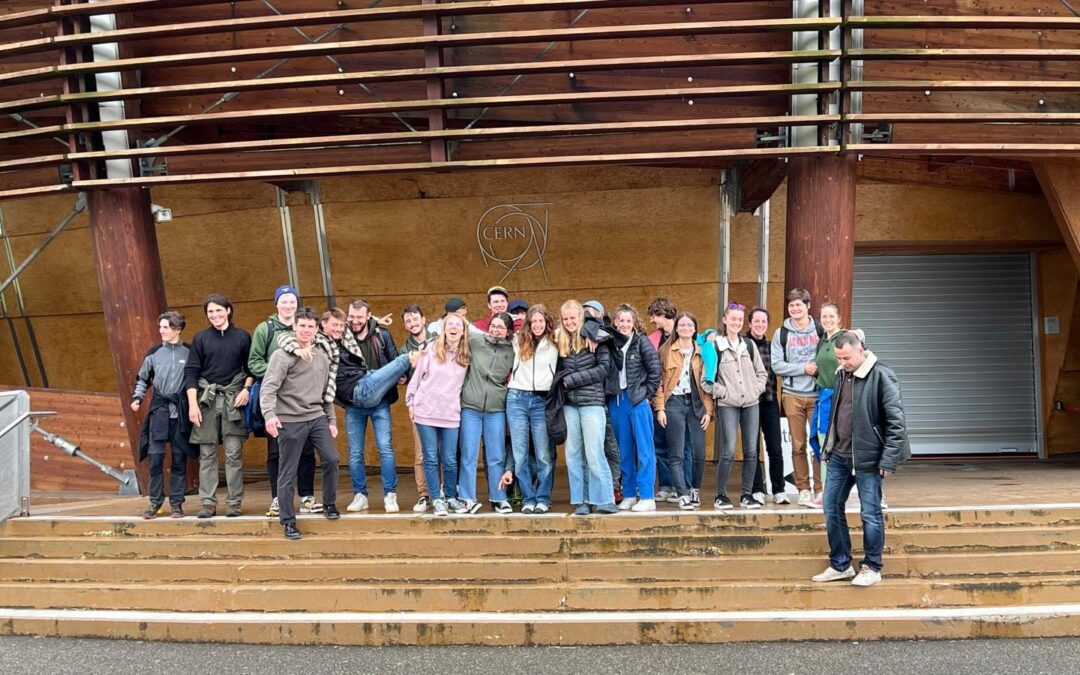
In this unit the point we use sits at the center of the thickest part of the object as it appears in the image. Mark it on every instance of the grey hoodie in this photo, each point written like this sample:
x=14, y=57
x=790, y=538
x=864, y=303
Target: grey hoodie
x=789, y=361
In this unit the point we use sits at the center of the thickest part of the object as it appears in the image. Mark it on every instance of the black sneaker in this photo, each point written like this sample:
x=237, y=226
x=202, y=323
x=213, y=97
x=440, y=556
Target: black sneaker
x=177, y=512
x=748, y=502
x=206, y=512
x=233, y=511
x=291, y=532
x=330, y=512
x=151, y=512
x=722, y=502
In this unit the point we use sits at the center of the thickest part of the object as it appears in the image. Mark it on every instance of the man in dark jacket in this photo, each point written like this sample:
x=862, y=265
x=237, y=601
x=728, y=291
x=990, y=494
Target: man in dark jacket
x=377, y=349
x=866, y=441
x=167, y=419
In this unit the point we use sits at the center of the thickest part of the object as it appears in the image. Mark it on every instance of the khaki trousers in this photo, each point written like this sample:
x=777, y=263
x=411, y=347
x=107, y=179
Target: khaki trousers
x=418, y=464
x=799, y=410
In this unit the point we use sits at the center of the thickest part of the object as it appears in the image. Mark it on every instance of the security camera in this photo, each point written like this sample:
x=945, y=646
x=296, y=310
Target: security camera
x=160, y=213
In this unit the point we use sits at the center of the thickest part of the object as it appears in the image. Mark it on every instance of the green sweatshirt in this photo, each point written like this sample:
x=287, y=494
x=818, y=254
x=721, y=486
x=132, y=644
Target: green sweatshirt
x=259, y=356
x=826, y=360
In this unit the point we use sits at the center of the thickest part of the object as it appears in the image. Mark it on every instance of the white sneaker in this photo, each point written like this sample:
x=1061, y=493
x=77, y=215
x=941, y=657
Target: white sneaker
x=868, y=576
x=832, y=575
x=817, y=502
x=643, y=505
x=695, y=496
x=440, y=507
x=390, y=502
x=628, y=503
x=781, y=498
x=662, y=495
x=761, y=497
x=884, y=506
x=422, y=504
x=309, y=505
x=685, y=503
x=359, y=503
x=274, y=511
x=805, y=497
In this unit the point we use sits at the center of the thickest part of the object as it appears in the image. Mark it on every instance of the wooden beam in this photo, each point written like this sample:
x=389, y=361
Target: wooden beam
x=1022, y=150
x=1059, y=180
x=963, y=22
x=758, y=180
x=132, y=288
x=397, y=44
x=965, y=85
x=965, y=118
x=962, y=54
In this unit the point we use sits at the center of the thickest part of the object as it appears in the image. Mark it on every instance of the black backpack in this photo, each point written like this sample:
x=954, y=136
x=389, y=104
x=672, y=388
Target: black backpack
x=253, y=411
x=784, y=332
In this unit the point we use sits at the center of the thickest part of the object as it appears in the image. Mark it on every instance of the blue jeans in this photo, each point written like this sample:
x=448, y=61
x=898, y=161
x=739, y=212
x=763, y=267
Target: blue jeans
x=356, y=420
x=662, y=472
x=372, y=387
x=633, y=425
x=838, y=483
x=525, y=415
x=439, y=444
x=585, y=460
x=819, y=421
x=493, y=427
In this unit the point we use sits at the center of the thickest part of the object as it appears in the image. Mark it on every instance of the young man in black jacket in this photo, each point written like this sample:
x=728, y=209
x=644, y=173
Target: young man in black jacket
x=167, y=419
x=866, y=441
x=218, y=386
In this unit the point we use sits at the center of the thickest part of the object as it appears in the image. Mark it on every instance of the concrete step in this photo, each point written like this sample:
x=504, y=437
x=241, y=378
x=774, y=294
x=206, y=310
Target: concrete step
x=549, y=628
x=539, y=597
x=665, y=522
x=517, y=570
x=345, y=544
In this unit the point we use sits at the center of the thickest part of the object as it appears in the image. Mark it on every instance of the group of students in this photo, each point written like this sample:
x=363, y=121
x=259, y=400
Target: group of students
x=628, y=407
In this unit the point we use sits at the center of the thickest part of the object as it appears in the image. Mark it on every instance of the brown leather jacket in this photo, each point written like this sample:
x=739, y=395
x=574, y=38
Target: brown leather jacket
x=671, y=365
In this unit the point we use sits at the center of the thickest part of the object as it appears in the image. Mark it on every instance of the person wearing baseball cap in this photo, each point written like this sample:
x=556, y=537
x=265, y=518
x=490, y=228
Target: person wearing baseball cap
x=498, y=301
x=517, y=309
x=453, y=306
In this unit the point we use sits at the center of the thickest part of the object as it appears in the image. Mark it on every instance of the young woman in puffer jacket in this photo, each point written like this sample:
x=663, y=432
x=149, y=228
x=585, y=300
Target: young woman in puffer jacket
x=535, y=357
x=631, y=384
x=740, y=381
x=683, y=405
x=583, y=367
x=434, y=401
x=483, y=413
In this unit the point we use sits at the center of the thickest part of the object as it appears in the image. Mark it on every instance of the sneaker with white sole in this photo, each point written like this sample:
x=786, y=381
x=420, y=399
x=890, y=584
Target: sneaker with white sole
x=628, y=503
x=805, y=497
x=642, y=505
x=359, y=503
x=722, y=503
x=542, y=507
x=749, y=502
x=663, y=493
x=469, y=506
x=695, y=496
x=439, y=507
x=274, y=511
x=528, y=508
x=686, y=503
x=422, y=504
x=831, y=574
x=780, y=498
x=503, y=507
x=817, y=502
x=868, y=576
x=309, y=505
x=761, y=497
x=390, y=503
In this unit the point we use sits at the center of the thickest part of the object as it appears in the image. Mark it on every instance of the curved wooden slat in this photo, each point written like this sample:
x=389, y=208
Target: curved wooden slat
x=276, y=52
x=369, y=77
x=244, y=116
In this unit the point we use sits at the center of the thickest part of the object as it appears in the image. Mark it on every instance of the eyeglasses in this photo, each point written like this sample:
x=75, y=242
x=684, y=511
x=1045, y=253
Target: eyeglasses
x=736, y=305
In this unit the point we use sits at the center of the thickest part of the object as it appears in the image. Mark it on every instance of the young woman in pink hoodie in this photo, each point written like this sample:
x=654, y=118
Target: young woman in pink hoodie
x=434, y=401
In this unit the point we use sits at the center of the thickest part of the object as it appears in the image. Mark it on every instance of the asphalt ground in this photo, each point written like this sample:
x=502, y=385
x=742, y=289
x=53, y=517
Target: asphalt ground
x=1058, y=656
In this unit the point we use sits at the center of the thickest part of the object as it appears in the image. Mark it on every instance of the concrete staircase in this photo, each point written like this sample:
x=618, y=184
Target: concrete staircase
x=554, y=579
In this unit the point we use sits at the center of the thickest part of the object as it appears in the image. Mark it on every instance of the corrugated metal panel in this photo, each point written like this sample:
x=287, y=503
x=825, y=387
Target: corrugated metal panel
x=958, y=331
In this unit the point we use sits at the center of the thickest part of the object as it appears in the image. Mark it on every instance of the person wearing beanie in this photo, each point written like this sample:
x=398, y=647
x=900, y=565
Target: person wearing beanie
x=498, y=301
x=265, y=340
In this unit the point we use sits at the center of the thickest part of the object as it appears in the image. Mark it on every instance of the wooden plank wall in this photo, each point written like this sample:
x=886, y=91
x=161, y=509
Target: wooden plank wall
x=91, y=420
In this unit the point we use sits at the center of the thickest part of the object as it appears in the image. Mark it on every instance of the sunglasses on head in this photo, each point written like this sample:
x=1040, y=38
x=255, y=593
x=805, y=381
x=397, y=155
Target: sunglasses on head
x=736, y=305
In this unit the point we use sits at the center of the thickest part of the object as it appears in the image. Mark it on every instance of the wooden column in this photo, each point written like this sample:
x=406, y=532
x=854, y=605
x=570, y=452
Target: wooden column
x=820, y=255
x=132, y=289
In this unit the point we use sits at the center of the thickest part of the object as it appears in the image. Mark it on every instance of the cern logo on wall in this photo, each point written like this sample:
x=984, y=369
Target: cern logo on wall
x=514, y=236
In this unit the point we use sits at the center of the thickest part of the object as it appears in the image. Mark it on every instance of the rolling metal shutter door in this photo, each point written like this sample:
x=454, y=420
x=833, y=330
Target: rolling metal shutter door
x=958, y=331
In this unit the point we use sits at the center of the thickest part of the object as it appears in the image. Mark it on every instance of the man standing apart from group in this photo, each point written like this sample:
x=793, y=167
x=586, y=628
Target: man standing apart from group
x=793, y=352
x=218, y=385
x=866, y=441
x=298, y=406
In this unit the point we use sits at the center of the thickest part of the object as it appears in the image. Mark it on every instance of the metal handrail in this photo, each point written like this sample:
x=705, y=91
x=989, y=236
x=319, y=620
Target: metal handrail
x=63, y=444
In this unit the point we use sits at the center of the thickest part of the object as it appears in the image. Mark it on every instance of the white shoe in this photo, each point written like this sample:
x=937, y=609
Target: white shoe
x=440, y=507
x=686, y=503
x=359, y=503
x=629, y=502
x=541, y=507
x=868, y=576
x=817, y=502
x=662, y=495
x=309, y=505
x=422, y=504
x=642, y=505
x=884, y=506
x=781, y=498
x=761, y=497
x=390, y=503
x=274, y=511
x=832, y=575
x=805, y=497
